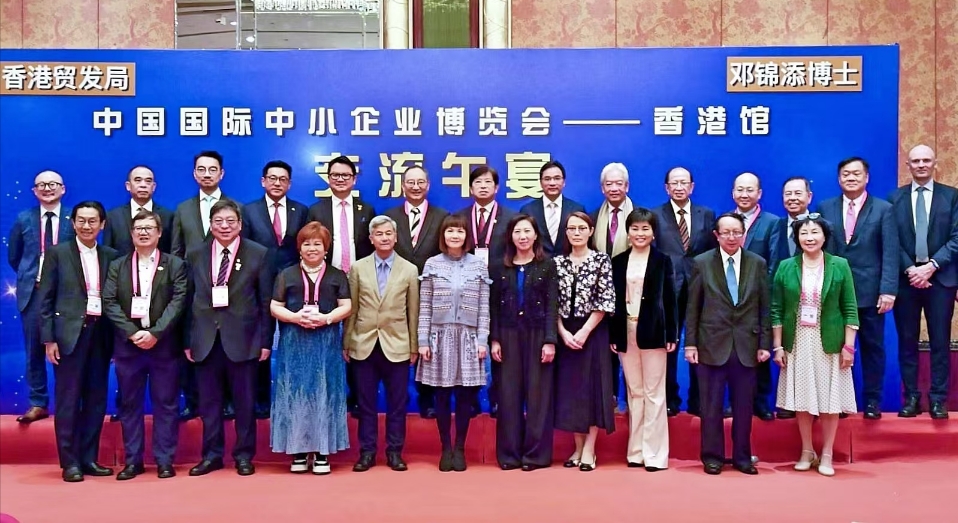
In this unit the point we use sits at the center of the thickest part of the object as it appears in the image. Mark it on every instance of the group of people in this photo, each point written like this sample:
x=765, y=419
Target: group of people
x=552, y=303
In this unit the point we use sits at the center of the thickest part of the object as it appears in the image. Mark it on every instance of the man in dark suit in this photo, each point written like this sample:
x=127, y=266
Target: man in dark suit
x=417, y=240
x=727, y=335
x=488, y=222
x=191, y=228
x=684, y=233
x=273, y=222
x=35, y=231
x=759, y=226
x=145, y=298
x=77, y=340
x=927, y=217
x=552, y=211
x=230, y=330
x=864, y=233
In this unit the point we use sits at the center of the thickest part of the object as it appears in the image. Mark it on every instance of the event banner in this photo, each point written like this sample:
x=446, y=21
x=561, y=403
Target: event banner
x=774, y=111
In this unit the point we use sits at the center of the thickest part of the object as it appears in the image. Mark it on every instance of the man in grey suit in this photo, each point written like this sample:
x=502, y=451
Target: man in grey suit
x=553, y=209
x=864, y=233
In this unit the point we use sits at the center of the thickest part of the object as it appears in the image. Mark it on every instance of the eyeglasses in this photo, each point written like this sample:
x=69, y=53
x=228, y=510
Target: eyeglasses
x=276, y=179
x=48, y=186
x=204, y=170
x=340, y=176
x=731, y=234
x=229, y=221
x=808, y=216
x=146, y=229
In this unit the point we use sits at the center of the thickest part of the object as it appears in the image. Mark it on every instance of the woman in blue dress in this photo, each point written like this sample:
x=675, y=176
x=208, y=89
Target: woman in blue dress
x=309, y=401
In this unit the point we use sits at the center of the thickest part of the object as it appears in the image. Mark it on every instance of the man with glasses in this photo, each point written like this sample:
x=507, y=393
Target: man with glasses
x=684, y=233
x=35, y=231
x=230, y=331
x=552, y=211
x=417, y=240
x=273, y=222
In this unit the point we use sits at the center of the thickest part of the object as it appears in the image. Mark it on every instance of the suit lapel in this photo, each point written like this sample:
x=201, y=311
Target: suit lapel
x=291, y=222
x=839, y=226
x=699, y=220
x=159, y=278
x=539, y=213
x=827, y=276
x=403, y=234
x=910, y=209
x=66, y=226
x=358, y=212
x=750, y=233
x=428, y=223
x=77, y=264
x=937, y=206
x=744, y=276
x=719, y=269
x=862, y=217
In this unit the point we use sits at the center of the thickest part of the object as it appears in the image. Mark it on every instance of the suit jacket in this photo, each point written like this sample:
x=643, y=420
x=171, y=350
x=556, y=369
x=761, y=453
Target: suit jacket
x=942, y=231
x=63, y=293
x=658, y=314
x=188, y=227
x=391, y=319
x=536, y=209
x=762, y=235
x=497, y=245
x=119, y=221
x=23, y=251
x=363, y=213
x=668, y=240
x=839, y=306
x=245, y=326
x=602, y=220
x=258, y=226
x=873, y=250
x=717, y=327
x=428, y=245
x=540, y=300
x=779, y=241
x=169, y=299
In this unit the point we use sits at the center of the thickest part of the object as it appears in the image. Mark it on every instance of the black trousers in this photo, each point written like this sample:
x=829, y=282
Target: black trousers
x=524, y=425
x=938, y=303
x=162, y=372
x=673, y=399
x=740, y=381
x=394, y=376
x=871, y=353
x=763, y=385
x=213, y=374
x=80, y=393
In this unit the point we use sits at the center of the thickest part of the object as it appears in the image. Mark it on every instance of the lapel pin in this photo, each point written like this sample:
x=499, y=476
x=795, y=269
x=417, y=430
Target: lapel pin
x=237, y=266
x=160, y=268
x=359, y=206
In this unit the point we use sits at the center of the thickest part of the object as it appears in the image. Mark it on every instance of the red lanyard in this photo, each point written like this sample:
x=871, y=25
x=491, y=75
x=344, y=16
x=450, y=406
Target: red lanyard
x=136, y=273
x=489, y=224
x=750, y=221
x=214, y=272
x=319, y=278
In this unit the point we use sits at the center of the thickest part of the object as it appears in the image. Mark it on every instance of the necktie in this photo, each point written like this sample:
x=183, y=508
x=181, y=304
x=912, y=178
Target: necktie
x=382, y=274
x=851, y=219
x=224, y=268
x=791, y=242
x=731, y=280
x=482, y=226
x=414, y=225
x=48, y=230
x=683, y=230
x=613, y=228
x=921, y=227
x=552, y=222
x=277, y=224
x=344, y=237
x=140, y=209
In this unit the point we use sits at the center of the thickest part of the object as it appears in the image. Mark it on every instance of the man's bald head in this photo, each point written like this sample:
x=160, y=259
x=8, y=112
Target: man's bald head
x=746, y=191
x=48, y=188
x=921, y=163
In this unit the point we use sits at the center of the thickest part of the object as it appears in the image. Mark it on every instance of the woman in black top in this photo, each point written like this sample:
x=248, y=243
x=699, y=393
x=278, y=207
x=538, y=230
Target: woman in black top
x=524, y=298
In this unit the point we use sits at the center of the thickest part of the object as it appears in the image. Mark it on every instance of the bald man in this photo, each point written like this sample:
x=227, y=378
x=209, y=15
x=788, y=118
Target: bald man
x=34, y=231
x=141, y=184
x=926, y=215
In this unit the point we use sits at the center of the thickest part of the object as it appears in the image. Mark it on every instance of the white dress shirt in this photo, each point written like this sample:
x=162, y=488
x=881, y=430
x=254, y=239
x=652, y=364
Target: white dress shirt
x=91, y=267
x=338, y=242
x=206, y=203
x=857, y=209
x=688, y=214
x=148, y=206
x=914, y=200
x=282, y=212
x=736, y=263
x=145, y=268
x=489, y=223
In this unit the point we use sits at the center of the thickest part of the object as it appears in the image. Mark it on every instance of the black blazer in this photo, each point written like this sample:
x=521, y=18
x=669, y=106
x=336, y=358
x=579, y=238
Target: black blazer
x=497, y=244
x=258, y=226
x=169, y=299
x=428, y=245
x=245, y=326
x=119, y=220
x=718, y=328
x=536, y=209
x=658, y=321
x=188, y=227
x=872, y=253
x=668, y=240
x=540, y=300
x=942, y=231
x=63, y=293
x=363, y=213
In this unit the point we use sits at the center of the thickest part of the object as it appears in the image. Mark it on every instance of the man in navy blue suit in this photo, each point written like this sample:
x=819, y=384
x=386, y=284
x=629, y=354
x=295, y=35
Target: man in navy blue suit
x=552, y=210
x=759, y=226
x=927, y=217
x=35, y=231
x=273, y=222
x=865, y=234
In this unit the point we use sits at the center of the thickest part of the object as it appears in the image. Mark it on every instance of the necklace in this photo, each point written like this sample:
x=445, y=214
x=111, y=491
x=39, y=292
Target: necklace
x=308, y=270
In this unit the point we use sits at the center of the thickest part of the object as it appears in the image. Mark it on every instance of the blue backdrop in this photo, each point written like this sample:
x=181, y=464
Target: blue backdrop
x=600, y=104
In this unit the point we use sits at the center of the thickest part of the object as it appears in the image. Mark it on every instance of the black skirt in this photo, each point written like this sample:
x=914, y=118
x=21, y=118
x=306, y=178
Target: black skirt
x=583, y=382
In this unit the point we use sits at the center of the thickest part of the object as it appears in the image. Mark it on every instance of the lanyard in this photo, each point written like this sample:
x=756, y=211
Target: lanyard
x=319, y=278
x=489, y=224
x=229, y=269
x=136, y=274
x=750, y=221
x=422, y=218
x=43, y=233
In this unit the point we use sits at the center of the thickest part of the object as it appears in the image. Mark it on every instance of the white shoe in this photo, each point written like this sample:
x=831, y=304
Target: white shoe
x=809, y=460
x=321, y=465
x=826, y=470
x=299, y=466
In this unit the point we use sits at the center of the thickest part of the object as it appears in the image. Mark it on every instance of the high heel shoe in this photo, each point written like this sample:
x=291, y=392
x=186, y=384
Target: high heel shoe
x=826, y=470
x=572, y=462
x=586, y=467
x=804, y=464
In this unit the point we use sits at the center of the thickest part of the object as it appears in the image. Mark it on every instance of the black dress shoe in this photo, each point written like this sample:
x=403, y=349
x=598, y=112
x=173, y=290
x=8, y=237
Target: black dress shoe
x=445, y=462
x=72, y=475
x=764, y=414
x=187, y=414
x=938, y=410
x=165, y=471
x=872, y=411
x=746, y=469
x=785, y=414
x=842, y=415
x=529, y=467
x=395, y=462
x=366, y=462
x=229, y=413
x=33, y=414
x=206, y=466
x=910, y=409
x=634, y=465
x=653, y=469
x=95, y=469
x=459, y=460
x=509, y=466
x=713, y=469
x=244, y=467
x=130, y=472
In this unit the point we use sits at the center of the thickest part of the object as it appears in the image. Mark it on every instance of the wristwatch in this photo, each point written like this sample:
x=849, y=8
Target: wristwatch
x=933, y=262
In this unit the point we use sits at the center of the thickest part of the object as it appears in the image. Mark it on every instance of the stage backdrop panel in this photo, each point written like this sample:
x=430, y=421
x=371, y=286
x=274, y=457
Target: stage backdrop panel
x=774, y=111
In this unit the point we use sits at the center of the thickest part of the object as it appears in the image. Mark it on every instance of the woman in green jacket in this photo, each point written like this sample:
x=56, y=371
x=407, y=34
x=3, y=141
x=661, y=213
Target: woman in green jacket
x=814, y=323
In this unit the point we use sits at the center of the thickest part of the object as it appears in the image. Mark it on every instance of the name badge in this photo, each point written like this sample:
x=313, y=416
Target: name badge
x=311, y=309
x=139, y=307
x=93, y=305
x=221, y=296
x=809, y=316
x=483, y=254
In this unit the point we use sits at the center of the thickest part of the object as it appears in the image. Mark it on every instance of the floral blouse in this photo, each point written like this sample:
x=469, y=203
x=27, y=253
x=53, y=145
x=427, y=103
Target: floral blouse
x=592, y=282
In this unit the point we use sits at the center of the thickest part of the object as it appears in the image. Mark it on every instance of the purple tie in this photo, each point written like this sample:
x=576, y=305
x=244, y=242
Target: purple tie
x=613, y=227
x=344, y=237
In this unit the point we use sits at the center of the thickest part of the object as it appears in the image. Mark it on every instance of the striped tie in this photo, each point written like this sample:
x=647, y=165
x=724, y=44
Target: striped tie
x=414, y=226
x=683, y=230
x=224, y=268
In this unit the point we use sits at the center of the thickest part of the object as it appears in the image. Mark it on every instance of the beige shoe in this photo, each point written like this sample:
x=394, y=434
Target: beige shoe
x=826, y=470
x=809, y=460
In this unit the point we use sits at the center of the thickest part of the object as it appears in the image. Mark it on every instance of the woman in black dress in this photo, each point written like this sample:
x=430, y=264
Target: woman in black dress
x=524, y=297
